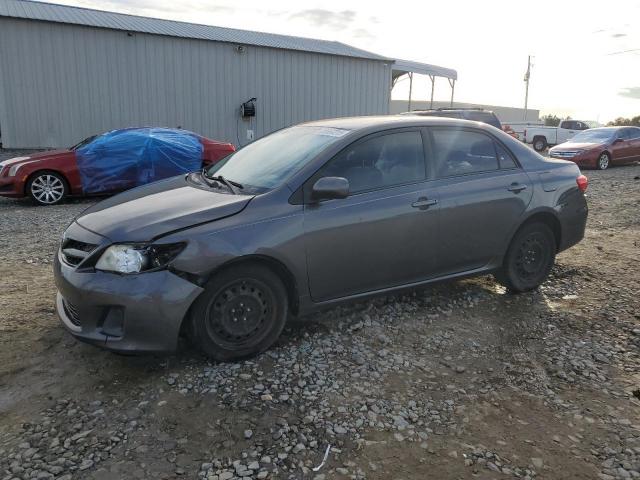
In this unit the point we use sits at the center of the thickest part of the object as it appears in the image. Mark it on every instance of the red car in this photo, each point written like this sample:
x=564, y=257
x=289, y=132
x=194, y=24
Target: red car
x=108, y=163
x=601, y=147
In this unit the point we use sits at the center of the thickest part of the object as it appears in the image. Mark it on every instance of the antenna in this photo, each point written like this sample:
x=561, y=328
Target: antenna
x=527, y=76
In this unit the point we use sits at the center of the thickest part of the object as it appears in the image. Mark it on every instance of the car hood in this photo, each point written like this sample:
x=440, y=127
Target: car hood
x=153, y=210
x=48, y=155
x=576, y=146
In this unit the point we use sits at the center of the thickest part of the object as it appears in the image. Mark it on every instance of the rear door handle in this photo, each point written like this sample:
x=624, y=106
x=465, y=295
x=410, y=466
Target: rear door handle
x=517, y=187
x=423, y=203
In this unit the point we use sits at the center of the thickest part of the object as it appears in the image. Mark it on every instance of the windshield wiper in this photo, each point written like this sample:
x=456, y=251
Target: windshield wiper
x=230, y=184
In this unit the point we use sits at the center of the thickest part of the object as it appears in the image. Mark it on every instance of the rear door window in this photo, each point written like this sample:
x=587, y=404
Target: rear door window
x=462, y=152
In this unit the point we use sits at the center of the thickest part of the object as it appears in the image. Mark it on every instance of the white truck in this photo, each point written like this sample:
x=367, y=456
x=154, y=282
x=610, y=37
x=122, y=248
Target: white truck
x=543, y=137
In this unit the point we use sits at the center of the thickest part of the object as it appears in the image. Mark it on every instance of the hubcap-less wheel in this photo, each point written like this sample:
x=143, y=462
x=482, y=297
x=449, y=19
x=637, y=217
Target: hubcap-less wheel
x=603, y=161
x=529, y=258
x=240, y=313
x=47, y=189
x=532, y=256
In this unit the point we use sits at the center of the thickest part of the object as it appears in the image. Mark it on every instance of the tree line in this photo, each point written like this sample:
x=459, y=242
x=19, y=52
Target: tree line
x=554, y=121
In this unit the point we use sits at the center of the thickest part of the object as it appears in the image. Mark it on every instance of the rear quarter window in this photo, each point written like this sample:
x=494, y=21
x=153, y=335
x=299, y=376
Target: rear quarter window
x=504, y=158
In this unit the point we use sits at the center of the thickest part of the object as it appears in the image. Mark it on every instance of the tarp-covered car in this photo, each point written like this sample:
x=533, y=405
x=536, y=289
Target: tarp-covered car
x=108, y=163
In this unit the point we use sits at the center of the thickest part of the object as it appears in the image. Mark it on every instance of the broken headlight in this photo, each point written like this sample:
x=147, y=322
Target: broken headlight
x=136, y=258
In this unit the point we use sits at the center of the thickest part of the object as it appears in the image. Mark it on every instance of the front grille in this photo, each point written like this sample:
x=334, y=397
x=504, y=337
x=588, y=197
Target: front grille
x=564, y=154
x=75, y=251
x=72, y=313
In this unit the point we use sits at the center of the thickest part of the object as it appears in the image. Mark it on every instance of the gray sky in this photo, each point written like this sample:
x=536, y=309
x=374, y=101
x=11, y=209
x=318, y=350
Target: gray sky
x=587, y=53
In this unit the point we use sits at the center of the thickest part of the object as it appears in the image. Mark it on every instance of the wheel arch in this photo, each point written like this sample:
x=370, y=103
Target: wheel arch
x=273, y=264
x=46, y=170
x=276, y=266
x=546, y=217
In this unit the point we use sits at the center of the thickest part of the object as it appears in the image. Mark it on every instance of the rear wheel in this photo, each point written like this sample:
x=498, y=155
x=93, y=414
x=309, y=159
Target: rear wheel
x=241, y=313
x=529, y=258
x=603, y=161
x=47, y=188
x=539, y=144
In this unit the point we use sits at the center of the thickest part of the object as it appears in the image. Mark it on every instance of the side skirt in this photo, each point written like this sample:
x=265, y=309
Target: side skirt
x=307, y=305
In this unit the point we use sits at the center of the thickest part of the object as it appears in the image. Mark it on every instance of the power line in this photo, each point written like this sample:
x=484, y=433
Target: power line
x=623, y=51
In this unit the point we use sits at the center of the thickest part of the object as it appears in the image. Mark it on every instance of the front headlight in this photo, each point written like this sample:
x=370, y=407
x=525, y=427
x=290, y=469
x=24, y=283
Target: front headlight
x=13, y=170
x=137, y=258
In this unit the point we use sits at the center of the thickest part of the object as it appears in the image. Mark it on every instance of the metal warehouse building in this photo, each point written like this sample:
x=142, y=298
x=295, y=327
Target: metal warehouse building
x=67, y=73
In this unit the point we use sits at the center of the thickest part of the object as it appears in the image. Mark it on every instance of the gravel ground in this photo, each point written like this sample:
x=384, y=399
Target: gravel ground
x=460, y=380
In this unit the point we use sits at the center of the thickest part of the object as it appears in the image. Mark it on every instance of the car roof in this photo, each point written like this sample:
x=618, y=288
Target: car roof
x=391, y=121
x=447, y=110
x=613, y=129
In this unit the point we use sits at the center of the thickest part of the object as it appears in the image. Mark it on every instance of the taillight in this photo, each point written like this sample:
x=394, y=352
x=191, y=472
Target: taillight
x=583, y=183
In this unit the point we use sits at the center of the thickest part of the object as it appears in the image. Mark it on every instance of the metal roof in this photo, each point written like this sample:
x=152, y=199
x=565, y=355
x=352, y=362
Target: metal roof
x=51, y=12
x=400, y=67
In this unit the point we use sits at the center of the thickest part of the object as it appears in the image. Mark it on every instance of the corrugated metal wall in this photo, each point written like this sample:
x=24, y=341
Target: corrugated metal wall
x=60, y=83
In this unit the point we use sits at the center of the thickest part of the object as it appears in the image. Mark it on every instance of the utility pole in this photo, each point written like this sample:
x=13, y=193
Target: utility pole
x=527, y=75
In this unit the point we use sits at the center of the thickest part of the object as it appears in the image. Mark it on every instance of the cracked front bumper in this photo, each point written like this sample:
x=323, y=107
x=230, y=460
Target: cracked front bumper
x=124, y=313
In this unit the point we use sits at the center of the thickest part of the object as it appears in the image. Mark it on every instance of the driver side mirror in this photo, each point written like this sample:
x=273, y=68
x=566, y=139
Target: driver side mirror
x=618, y=140
x=329, y=188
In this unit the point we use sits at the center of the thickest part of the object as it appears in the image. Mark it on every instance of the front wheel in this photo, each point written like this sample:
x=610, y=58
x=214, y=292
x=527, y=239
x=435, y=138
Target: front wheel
x=529, y=258
x=47, y=188
x=603, y=161
x=240, y=314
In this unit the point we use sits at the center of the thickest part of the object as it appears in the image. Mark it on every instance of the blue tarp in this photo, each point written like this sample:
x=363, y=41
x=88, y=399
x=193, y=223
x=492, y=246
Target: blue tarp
x=123, y=159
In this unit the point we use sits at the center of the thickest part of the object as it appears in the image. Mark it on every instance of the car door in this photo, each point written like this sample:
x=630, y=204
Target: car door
x=384, y=233
x=482, y=194
x=622, y=148
x=634, y=137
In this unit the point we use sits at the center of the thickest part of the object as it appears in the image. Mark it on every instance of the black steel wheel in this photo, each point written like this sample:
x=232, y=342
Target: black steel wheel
x=529, y=258
x=240, y=314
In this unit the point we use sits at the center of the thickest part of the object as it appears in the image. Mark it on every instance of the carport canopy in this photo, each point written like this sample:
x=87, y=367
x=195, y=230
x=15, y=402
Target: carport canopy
x=408, y=67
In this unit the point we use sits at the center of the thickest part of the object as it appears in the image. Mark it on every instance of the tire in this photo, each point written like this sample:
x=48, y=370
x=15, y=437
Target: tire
x=47, y=188
x=240, y=314
x=603, y=162
x=539, y=144
x=529, y=258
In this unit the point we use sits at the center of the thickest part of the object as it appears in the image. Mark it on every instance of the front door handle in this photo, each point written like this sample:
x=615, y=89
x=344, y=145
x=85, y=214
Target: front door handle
x=517, y=187
x=423, y=203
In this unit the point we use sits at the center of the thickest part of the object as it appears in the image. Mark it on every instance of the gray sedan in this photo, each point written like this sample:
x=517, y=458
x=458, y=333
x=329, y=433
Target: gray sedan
x=309, y=216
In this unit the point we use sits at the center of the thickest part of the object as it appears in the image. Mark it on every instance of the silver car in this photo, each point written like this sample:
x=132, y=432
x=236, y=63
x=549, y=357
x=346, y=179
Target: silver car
x=309, y=216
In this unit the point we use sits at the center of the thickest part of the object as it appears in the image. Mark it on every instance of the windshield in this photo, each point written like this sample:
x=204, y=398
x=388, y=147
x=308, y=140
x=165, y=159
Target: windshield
x=84, y=142
x=268, y=162
x=593, y=136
